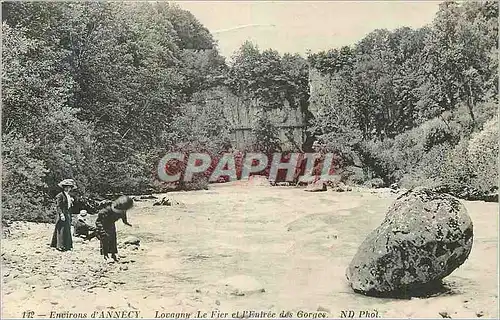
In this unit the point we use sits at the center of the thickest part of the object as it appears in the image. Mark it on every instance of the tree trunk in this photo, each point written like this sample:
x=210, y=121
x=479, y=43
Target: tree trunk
x=470, y=105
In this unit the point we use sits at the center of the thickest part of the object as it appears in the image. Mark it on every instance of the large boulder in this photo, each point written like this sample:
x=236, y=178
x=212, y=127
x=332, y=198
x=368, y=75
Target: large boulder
x=424, y=237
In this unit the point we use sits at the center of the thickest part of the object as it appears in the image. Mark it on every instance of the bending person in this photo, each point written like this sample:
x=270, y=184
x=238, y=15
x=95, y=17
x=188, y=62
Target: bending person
x=105, y=224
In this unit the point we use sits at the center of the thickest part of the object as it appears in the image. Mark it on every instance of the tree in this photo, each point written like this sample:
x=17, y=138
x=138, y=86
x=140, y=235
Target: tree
x=460, y=66
x=266, y=134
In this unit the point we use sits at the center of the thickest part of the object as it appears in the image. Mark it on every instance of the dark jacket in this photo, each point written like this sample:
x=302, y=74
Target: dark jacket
x=61, y=237
x=62, y=206
x=106, y=229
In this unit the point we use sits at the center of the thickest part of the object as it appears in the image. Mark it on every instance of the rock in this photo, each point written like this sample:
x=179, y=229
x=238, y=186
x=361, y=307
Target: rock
x=444, y=314
x=374, y=183
x=132, y=240
x=241, y=285
x=118, y=282
x=394, y=186
x=424, y=237
x=163, y=202
x=282, y=184
x=217, y=302
x=257, y=180
x=317, y=186
x=147, y=197
x=480, y=314
x=340, y=187
x=77, y=240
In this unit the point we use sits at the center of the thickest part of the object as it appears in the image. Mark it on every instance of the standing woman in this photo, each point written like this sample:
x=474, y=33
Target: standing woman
x=61, y=239
x=105, y=224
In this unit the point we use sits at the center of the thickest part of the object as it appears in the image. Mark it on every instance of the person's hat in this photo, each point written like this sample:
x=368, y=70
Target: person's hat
x=123, y=203
x=83, y=213
x=67, y=182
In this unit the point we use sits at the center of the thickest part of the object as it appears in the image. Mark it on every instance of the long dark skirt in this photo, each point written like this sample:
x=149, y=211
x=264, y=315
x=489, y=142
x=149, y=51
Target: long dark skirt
x=61, y=239
x=108, y=240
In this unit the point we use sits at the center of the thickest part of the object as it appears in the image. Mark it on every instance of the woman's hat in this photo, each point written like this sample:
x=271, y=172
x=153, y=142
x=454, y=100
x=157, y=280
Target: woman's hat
x=83, y=213
x=67, y=183
x=123, y=203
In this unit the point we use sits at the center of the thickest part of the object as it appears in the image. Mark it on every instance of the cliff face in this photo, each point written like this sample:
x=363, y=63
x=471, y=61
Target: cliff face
x=241, y=115
x=291, y=120
x=322, y=88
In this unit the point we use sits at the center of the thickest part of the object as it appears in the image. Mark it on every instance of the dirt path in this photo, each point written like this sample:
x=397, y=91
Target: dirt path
x=219, y=247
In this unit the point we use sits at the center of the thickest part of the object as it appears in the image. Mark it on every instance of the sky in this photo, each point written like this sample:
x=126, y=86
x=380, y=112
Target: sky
x=296, y=26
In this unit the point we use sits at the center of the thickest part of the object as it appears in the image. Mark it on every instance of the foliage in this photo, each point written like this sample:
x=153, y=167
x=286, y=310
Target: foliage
x=266, y=134
x=406, y=102
x=268, y=77
x=108, y=80
x=99, y=91
x=22, y=180
x=483, y=155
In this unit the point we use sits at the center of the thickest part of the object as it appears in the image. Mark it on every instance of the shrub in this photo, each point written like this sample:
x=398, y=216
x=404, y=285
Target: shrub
x=436, y=133
x=483, y=158
x=456, y=172
x=433, y=161
x=266, y=134
x=353, y=175
x=378, y=159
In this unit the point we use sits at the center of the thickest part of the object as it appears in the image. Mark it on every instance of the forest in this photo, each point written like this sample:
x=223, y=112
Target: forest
x=100, y=91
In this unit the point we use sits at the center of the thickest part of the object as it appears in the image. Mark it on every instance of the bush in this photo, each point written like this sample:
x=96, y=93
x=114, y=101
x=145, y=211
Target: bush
x=425, y=155
x=266, y=134
x=353, y=175
x=470, y=170
x=415, y=179
x=378, y=159
x=483, y=158
x=437, y=132
x=433, y=162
